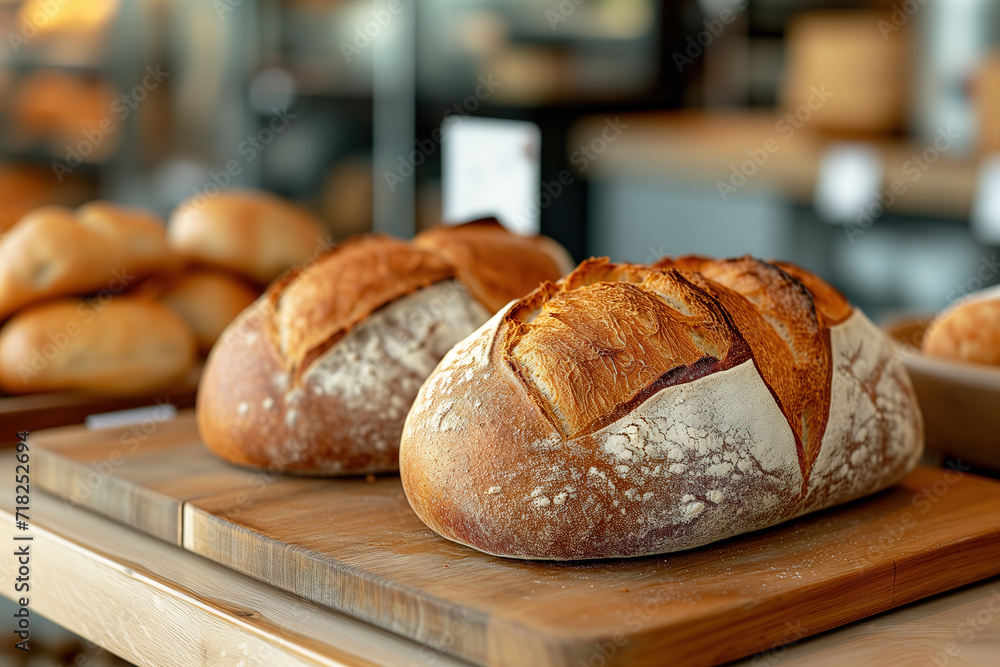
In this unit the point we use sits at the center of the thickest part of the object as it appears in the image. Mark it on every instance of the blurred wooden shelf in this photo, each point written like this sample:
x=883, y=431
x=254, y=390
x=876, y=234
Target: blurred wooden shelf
x=30, y=412
x=701, y=149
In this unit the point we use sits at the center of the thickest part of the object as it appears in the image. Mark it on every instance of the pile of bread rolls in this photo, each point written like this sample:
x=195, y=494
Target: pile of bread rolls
x=107, y=299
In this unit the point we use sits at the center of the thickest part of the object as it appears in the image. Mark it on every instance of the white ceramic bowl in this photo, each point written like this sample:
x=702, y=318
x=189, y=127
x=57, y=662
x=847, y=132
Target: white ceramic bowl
x=960, y=400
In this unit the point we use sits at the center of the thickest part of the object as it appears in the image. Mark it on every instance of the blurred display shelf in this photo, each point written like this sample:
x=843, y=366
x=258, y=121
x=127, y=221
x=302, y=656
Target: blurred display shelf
x=30, y=412
x=711, y=149
x=41, y=153
x=316, y=77
x=25, y=65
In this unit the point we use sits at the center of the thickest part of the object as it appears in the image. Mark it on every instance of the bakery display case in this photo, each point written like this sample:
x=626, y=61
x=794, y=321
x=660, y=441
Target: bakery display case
x=462, y=332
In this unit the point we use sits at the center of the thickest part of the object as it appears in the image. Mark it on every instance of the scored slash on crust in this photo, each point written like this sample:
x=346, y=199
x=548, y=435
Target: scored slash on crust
x=684, y=319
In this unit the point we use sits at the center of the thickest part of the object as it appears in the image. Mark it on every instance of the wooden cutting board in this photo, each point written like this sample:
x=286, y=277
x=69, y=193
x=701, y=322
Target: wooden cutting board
x=355, y=546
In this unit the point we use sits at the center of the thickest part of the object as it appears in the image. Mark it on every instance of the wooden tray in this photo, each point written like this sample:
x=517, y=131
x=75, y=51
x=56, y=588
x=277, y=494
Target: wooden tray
x=32, y=412
x=356, y=546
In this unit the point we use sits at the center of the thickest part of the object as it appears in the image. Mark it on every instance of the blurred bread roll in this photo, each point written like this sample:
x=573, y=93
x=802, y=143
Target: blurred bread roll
x=60, y=107
x=54, y=251
x=208, y=301
x=118, y=345
x=255, y=234
x=968, y=330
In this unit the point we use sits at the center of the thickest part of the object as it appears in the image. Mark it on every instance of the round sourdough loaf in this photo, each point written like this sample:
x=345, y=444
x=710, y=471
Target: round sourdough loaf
x=124, y=345
x=630, y=410
x=317, y=376
x=55, y=251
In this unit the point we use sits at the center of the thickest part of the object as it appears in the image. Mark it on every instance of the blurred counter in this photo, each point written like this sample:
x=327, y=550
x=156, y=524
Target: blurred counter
x=764, y=152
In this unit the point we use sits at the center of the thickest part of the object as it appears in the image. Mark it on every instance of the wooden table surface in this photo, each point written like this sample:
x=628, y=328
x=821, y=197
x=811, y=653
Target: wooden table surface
x=156, y=604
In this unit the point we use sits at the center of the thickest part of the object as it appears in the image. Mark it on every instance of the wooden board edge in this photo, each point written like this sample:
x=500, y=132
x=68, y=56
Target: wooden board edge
x=115, y=587
x=959, y=564
x=104, y=495
x=443, y=627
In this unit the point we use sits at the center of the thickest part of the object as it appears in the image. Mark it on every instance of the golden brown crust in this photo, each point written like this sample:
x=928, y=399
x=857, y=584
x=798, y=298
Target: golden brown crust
x=253, y=233
x=969, y=331
x=628, y=329
x=496, y=265
x=790, y=345
x=369, y=271
x=544, y=435
x=54, y=251
x=830, y=303
x=119, y=346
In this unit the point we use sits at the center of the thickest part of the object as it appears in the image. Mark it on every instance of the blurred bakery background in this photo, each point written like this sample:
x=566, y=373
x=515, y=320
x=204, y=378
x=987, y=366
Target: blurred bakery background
x=858, y=138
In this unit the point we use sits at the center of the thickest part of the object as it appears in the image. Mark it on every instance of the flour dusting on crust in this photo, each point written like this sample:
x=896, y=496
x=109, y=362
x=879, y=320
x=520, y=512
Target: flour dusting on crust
x=367, y=380
x=875, y=433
